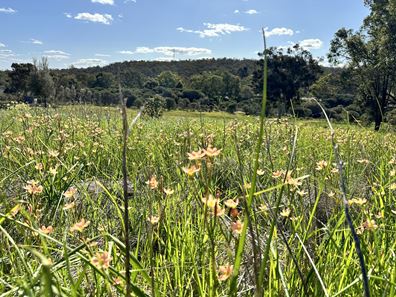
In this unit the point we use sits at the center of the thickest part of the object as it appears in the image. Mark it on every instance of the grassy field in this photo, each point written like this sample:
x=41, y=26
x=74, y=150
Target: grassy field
x=189, y=175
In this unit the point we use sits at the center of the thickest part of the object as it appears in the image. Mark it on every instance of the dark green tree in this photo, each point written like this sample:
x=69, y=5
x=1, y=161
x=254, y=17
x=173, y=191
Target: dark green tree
x=370, y=53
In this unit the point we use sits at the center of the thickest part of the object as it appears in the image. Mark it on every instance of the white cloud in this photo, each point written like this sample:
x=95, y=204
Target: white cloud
x=169, y=51
x=7, y=10
x=109, y=2
x=36, y=41
x=278, y=32
x=126, y=1
x=2, y=45
x=236, y=11
x=56, y=52
x=251, y=11
x=101, y=55
x=84, y=63
x=6, y=53
x=57, y=55
x=215, y=30
x=68, y=15
x=95, y=18
x=311, y=44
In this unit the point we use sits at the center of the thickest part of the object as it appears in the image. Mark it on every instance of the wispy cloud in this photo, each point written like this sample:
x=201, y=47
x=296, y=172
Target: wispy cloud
x=57, y=55
x=84, y=63
x=251, y=11
x=215, y=30
x=36, y=41
x=278, y=32
x=6, y=53
x=102, y=55
x=95, y=18
x=169, y=51
x=2, y=45
x=7, y=10
x=311, y=44
x=109, y=2
x=68, y=15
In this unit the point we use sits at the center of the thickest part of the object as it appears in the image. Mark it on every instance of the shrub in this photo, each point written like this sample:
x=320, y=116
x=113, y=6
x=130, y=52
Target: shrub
x=153, y=107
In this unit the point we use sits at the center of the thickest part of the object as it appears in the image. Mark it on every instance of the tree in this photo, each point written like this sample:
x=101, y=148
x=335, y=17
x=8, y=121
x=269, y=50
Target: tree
x=41, y=82
x=19, y=78
x=168, y=79
x=370, y=53
x=288, y=74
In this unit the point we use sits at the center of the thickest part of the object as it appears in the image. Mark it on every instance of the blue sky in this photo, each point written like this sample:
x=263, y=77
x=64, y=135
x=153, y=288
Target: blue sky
x=98, y=32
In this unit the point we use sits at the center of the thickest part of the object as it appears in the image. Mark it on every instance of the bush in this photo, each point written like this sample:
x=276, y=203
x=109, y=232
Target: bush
x=391, y=117
x=314, y=108
x=302, y=112
x=154, y=107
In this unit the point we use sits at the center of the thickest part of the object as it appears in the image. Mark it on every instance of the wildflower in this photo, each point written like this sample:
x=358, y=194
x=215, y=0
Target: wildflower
x=358, y=201
x=302, y=193
x=80, y=226
x=392, y=161
x=247, y=186
x=33, y=187
x=39, y=166
x=321, y=165
x=196, y=155
x=263, y=208
x=212, y=151
x=53, y=153
x=277, y=174
x=363, y=161
x=392, y=186
x=69, y=206
x=153, y=220
x=331, y=194
x=260, y=172
x=211, y=202
x=53, y=171
x=231, y=203
x=237, y=227
x=285, y=212
x=334, y=170
x=101, y=260
x=117, y=281
x=70, y=192
x=152, y=183
x=392, y=173
x=225, y=272
x=168, y=191
x=192, y=170
x=218, y=211
x=370, y=225
x=47, y=230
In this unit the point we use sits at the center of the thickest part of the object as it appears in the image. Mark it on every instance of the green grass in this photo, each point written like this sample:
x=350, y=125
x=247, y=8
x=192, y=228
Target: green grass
x=311, y=252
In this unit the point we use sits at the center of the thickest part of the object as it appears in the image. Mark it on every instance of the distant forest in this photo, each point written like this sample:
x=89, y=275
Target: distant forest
x=206, y=85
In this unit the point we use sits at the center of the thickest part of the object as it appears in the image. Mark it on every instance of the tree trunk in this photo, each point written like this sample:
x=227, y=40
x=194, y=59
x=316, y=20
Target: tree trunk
x=377, y=120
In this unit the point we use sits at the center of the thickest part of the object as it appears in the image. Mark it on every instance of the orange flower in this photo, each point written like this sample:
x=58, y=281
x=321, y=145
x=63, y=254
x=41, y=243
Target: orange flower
x=69, y=206
x=47, y=230
x=196, y=155
x=237, y=227
x=80, y=226
x=153, y=183
x=168, y=191
x=192, y=170
x=211, y=151
x=33, y=187
x=70, y=192
x=101, y=260
x=231, y=203
x=225, y=272
x=153, y=220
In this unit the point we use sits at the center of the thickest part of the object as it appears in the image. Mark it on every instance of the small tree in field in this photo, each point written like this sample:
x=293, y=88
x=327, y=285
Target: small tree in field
x=154, y=107
x=41, y=82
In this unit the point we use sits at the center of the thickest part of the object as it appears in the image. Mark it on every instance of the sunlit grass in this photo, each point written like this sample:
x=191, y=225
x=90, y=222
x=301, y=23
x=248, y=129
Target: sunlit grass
x=61, y=215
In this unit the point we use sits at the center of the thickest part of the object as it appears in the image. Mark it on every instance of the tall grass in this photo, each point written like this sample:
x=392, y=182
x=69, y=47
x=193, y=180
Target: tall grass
x=184, y=230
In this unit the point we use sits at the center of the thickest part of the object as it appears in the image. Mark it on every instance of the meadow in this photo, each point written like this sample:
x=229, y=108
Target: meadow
x=190, y=179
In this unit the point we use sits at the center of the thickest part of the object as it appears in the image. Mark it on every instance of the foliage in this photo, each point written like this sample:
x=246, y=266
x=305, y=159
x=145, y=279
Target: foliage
x=370, y=54
x=154, y=106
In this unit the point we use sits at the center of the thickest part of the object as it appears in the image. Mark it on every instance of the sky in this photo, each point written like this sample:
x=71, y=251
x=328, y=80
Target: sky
x=86, y=33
